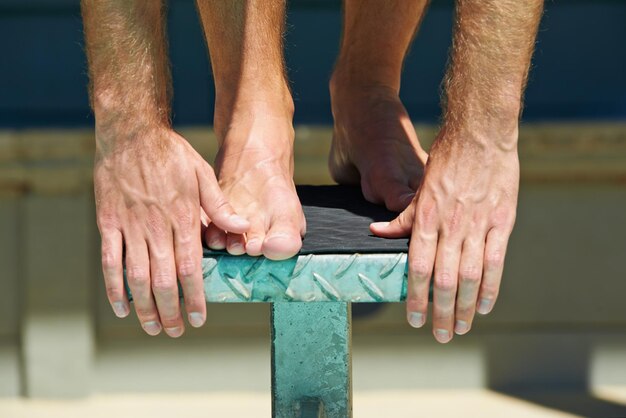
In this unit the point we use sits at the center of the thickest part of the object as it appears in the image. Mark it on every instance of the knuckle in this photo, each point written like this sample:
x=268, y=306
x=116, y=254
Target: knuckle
x=145, y=313
x=187, y=267
x=163, y=282
x=185, y=218
x=418, y=300
x=494, y=259
x=112, y=290
x=465, y=313
x=420, y=268
x=208, y=169
x=109, y=260
x=220, y=204
x=470, y=274
x=425, y=212
x=503, y=217
x=489, y=291
x=137, y=275
x=107, y=220
x=445, y=281
x=170, y=321
x=155, y=223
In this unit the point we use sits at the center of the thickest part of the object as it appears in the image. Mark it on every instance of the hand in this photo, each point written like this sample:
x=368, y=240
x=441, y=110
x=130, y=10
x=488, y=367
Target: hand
x=150, y=189
x=459, y=221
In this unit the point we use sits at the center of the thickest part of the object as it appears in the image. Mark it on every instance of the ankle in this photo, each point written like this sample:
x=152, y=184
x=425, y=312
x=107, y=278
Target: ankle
x=343, y=85
x=349, y=75
x=233, y=109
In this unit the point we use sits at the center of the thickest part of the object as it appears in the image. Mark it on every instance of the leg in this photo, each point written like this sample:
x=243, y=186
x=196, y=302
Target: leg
x=374, y=141
x=253, y=122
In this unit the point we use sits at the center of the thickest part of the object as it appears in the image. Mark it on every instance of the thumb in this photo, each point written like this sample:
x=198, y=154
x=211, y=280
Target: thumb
x=399, y=227
x=214, y=203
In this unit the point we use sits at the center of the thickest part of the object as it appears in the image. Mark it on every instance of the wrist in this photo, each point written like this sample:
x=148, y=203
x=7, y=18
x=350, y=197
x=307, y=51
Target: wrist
x=497, y=127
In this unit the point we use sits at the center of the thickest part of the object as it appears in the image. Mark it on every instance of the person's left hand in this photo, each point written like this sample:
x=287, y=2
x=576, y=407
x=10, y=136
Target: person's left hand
x=459, y=221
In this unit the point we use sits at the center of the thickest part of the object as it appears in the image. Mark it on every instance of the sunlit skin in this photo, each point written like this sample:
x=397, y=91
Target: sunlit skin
x=253, y=123
x=151, y=187
x=457, y=203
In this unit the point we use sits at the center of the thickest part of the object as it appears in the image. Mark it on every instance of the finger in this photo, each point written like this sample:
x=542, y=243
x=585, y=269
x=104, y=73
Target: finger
x=445, y=287
x=204, y=218
x=470, y=274
x=400, y=227
x=138, y=274
x=495, y=250
x=113, y=272
x=422, y=251
x=188, y=256
x=255, y=238
x=163, y=278
x=215, y=237
x=235, y=244
x=215, y=205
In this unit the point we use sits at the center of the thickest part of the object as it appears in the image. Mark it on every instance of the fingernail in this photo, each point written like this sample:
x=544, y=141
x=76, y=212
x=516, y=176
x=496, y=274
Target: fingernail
x=380, y=224
x=152, y=327
x=484, y=306
x=238, y=220
x=461, y=327
x=120, y=309
x=196, y=319
x=443, y=336
x=416, y=319
x=174, y=331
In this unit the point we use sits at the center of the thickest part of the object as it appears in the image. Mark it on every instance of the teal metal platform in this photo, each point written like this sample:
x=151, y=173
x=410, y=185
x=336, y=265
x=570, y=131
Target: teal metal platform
x=311, y=298
x=311, y=295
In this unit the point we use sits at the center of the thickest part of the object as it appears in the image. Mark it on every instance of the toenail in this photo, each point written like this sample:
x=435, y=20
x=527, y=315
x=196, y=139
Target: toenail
x=278, y=235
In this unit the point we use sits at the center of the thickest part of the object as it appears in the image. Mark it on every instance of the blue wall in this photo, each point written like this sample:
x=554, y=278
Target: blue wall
x=579, y=67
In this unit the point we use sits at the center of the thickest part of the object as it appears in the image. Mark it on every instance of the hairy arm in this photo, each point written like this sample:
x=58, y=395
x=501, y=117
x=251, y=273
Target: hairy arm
x=491, y=50
x=463, y=213
x=150, y=184
x=128, y=65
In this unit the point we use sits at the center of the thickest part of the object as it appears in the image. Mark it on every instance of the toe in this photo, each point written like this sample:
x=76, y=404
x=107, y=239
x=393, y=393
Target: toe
x=214, y=237
x=235, y=244
x=398, y=197
x=283, y=240
x=255, y=238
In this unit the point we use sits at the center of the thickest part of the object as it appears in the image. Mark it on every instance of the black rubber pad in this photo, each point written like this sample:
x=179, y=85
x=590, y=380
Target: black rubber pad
x=338, y=219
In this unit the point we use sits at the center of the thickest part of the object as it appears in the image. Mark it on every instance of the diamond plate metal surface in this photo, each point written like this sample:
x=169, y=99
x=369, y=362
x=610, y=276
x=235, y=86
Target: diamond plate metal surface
x=308, y=278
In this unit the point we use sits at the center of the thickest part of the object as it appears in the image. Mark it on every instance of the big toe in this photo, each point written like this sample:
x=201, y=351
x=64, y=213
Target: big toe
x=284, y=239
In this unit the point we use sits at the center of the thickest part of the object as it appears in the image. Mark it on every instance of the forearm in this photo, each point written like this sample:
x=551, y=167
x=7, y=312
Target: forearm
x=128, y=66
x=491, y=52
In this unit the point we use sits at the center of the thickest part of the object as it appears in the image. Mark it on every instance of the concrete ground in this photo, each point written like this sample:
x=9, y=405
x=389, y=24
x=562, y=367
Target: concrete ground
x=396, y=376
x=375, y=404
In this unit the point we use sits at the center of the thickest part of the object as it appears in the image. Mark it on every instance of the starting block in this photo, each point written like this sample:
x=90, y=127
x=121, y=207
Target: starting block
x=340, y=263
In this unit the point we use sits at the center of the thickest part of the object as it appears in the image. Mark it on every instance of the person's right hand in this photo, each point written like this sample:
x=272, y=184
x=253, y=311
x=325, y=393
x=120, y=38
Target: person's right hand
x=150, y=188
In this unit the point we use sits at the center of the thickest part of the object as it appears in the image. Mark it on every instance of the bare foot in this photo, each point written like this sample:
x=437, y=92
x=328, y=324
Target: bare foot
x=374, y=144
x=255, y=172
